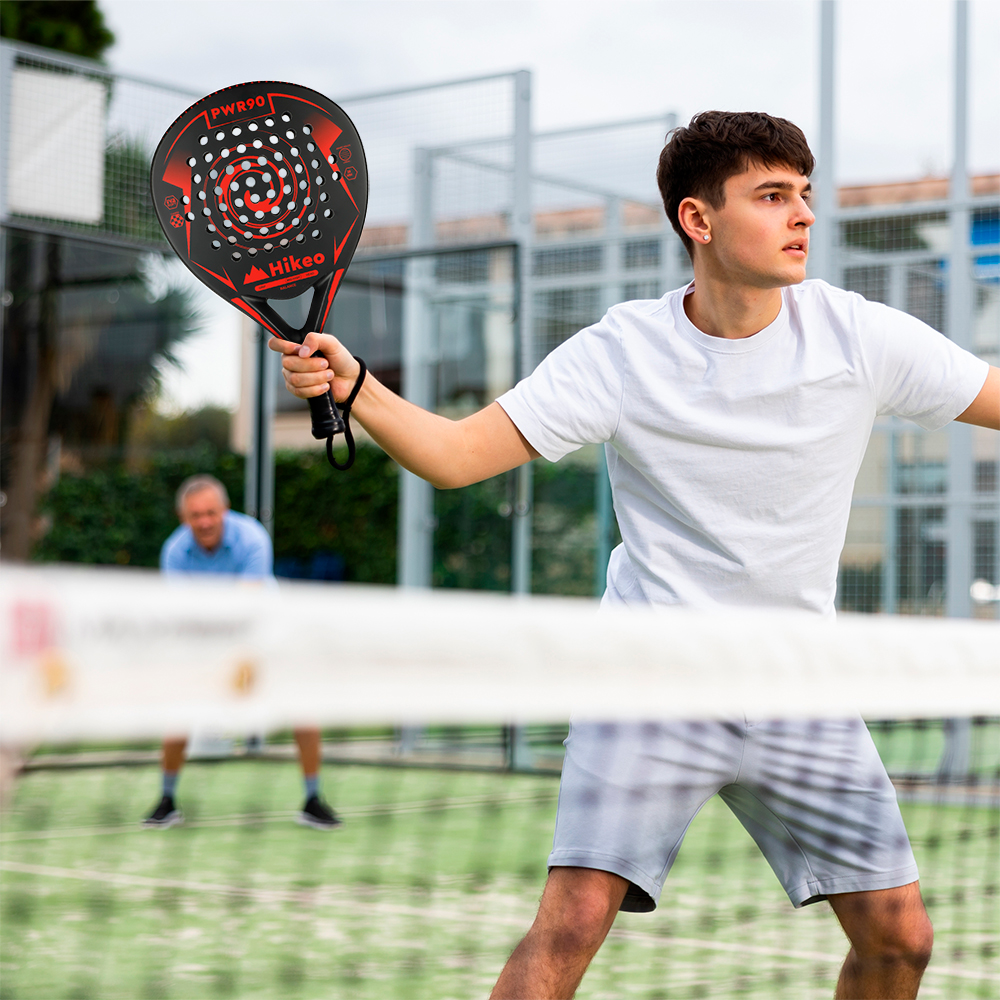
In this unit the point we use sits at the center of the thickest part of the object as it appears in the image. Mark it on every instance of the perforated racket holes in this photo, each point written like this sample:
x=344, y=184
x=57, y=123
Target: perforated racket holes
x=327, y=213
x=300, y=238
x=323, y=196
x=203, y=140
x=268, y=247
x=269, y=122
x=286, y=118
x=216, y=244
x=237, y=256
x=237, y=131
x=191, y=161
x=253, y=126
x=252, y=251
x=307, y=129
x=315, y=234
x=336, y=175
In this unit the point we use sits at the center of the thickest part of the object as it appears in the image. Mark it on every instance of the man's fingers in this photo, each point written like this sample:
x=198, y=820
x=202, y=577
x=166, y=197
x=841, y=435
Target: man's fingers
x=294, y=363
x=282, y=346
x=306, y=384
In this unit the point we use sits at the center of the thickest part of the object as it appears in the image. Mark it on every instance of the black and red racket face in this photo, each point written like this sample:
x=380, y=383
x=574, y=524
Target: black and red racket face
x=261, y=189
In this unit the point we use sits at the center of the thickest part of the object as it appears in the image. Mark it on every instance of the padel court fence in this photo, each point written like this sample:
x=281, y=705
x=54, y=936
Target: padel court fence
x=506, y=241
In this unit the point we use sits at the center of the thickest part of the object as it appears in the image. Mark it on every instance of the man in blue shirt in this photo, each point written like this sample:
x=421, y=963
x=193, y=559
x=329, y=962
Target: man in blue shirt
x=213, y=539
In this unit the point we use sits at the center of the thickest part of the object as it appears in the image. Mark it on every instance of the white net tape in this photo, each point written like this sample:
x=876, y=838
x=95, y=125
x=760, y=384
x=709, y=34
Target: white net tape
x=118, y=653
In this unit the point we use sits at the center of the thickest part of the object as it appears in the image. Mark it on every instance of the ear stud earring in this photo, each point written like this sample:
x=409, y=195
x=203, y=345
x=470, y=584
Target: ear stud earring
x=706, y=237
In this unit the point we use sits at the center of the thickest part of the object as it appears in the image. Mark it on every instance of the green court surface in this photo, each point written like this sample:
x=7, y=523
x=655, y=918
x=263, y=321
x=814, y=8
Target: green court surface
x=422, y=893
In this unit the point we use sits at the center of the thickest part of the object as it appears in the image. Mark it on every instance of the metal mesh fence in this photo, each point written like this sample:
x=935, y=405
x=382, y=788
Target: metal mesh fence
x=457, y=140
x=924, y=499
x=66, y=111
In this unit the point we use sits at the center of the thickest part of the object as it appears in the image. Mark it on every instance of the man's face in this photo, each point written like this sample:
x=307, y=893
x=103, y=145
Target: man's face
x=760, y=236
x=204, y=512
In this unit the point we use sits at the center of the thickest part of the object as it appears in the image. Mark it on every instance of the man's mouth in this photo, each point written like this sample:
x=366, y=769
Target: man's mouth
x=797, y=249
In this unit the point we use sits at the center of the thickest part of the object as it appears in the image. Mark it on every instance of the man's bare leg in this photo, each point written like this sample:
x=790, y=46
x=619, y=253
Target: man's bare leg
x=172, y=755
x=578, y=907
x=309, y=744
x=891, y=938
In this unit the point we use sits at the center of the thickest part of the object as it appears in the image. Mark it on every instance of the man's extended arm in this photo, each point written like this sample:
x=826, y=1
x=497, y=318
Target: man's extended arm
x=985, y=408
x=448, y=453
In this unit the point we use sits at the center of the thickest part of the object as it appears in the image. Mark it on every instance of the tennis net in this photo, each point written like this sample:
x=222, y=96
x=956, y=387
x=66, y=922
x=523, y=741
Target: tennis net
x=442, y=716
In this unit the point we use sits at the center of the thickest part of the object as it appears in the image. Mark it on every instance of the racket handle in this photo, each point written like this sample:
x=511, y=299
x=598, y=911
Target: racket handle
x=326, y=418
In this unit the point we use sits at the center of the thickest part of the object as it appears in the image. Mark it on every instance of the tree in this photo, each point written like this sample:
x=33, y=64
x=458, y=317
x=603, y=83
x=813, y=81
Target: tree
x=74, y=26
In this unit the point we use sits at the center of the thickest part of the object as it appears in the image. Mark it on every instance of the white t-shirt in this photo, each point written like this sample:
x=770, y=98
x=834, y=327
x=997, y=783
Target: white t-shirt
x=732, y=462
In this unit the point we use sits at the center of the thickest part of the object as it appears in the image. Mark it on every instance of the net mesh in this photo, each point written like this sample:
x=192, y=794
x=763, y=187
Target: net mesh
x=448, y=812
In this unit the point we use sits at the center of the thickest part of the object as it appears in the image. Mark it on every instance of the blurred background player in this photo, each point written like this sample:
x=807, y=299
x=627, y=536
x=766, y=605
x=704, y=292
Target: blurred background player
x=214, y=539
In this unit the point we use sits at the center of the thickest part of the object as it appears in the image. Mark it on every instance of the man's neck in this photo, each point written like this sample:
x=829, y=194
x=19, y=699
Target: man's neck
x=723, y=309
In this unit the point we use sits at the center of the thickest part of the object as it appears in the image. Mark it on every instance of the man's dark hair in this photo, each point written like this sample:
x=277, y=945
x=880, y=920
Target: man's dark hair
x=698, y=159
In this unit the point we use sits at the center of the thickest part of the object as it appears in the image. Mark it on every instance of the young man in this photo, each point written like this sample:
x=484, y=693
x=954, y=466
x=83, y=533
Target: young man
x=214, y=539
x=735, y=413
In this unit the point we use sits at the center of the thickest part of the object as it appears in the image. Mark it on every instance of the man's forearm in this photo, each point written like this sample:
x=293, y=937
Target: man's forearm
x=448, y=453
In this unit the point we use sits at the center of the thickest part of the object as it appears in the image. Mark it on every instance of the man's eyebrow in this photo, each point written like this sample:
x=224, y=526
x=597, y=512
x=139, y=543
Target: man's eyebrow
x=781, y=186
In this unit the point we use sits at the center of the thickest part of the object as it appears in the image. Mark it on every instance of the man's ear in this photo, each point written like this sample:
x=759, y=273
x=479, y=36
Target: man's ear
x=691, y=214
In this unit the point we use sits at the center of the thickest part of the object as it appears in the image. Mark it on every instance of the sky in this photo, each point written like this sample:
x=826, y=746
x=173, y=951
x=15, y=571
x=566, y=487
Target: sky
x=595, y=62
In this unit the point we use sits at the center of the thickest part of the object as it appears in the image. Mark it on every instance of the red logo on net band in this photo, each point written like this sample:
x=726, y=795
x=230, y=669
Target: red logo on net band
x=238, y=107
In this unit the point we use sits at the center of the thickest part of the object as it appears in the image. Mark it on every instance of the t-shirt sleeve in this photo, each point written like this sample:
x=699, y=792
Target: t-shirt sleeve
x=918, y=373
x=258, y=553
x=574, y=397
x=172, y=553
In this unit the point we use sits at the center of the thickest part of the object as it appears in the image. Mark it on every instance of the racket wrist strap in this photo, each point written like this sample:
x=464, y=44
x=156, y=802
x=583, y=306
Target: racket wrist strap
x=345, y=412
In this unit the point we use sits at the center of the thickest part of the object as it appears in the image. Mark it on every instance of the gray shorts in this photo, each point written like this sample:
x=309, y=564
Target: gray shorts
x=814, y=795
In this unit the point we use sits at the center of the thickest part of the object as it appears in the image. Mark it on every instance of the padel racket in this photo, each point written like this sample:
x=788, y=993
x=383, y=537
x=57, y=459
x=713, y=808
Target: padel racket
x=261, y=189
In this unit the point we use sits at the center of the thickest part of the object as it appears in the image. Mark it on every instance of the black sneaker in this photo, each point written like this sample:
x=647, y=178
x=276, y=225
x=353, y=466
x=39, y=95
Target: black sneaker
x=317, y=814
x=164, y=815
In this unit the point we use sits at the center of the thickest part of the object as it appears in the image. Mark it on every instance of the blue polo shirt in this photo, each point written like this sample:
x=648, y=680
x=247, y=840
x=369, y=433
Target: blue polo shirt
x=245, y=550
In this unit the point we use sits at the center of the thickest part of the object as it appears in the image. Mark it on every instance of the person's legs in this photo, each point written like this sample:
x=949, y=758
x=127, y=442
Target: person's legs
x=172, y=760
x=891, y=937
x=315, y=812
x=308, y=741
x=166, y=813
x=577, y=910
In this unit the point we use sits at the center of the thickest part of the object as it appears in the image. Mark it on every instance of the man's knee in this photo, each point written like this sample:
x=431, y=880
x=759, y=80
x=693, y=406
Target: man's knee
x=890, y=927
x=578, y=907
x=910, y=942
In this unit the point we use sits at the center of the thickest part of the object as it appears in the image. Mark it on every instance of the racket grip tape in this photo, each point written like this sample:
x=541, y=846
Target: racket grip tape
x=326, y=418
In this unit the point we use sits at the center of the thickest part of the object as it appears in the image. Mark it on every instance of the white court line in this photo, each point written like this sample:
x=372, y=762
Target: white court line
x=239, y=819
x=424, y=913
